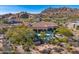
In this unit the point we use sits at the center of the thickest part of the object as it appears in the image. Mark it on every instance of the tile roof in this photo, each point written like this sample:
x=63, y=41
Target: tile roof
x=41, y=25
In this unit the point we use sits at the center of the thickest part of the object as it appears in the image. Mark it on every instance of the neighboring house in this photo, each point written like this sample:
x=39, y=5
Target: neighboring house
x=14, y=20
x=73, y=25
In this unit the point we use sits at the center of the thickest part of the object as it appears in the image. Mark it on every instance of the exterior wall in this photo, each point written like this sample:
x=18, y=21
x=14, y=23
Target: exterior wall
x=72, y=26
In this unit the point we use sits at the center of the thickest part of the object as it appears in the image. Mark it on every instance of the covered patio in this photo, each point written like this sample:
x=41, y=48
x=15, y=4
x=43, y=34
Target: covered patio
x=47, y=27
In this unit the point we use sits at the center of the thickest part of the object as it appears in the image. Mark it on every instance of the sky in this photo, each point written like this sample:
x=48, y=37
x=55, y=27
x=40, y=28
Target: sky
x=4, y=9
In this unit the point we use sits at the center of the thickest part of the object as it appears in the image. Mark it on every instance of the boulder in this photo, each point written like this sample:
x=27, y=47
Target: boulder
x=46, y=51
x=58, y=49
x=53, y=52
x=64, y=52
x=75, y=50
x=19, y=49
x=1, y=46
x=62, y=44
x=34, y=51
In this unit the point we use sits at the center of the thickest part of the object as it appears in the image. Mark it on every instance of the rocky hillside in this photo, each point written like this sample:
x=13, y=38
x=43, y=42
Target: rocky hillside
x=17, y=15
x=60, y=12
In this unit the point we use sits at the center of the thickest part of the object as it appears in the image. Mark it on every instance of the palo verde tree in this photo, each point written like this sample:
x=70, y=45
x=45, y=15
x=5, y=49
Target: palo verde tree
x=64, y=31
x=20, y=35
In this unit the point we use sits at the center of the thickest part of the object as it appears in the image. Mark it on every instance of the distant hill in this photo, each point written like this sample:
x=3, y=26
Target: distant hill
x=15, y=16
x=60, y=12
x=64, y=13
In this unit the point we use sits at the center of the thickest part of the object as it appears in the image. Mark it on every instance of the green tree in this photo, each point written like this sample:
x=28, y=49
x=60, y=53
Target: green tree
x=42, y=35
x=64, y=31
x=58, y=40
x=62, y=39
x=20, y=35
x=53, y=41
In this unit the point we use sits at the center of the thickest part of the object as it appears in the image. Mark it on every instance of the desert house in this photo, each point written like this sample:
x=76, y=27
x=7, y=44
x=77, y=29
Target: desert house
x=47, y=27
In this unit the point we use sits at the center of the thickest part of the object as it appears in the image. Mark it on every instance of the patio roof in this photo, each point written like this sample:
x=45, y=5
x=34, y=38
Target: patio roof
x=41, y=25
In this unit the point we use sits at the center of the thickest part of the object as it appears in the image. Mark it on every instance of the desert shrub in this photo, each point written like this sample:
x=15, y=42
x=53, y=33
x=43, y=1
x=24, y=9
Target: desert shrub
x=64, y=31
x=53, y=41
x=20, y=35
x=63, y=40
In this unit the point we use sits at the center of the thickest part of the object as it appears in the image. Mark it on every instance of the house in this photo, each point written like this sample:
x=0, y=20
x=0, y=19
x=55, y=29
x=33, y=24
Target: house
x=73, y=25
x=42, y=26
x=14, y=20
